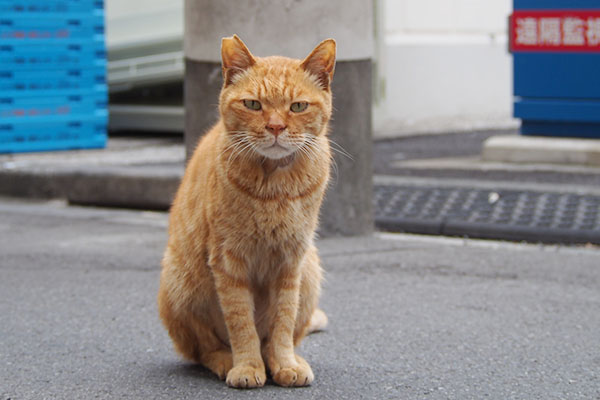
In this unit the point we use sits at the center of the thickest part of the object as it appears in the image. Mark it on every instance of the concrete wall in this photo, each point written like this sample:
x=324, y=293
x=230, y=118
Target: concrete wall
x=287, y=27
x=444, y=65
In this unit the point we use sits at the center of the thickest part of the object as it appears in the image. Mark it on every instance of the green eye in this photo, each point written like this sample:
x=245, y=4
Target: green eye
x=252, y=104
x=299, y=106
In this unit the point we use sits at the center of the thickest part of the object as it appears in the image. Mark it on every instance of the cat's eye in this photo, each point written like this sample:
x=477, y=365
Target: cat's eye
x=252, y=104
x=299, y=106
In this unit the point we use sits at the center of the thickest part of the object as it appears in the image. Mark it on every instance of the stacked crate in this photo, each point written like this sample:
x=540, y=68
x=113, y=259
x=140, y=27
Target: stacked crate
x=53, y=92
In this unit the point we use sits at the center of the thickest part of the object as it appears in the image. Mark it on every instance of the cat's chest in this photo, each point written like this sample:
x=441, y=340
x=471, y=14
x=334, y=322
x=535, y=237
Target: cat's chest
x=279, y=218
x=270, y=212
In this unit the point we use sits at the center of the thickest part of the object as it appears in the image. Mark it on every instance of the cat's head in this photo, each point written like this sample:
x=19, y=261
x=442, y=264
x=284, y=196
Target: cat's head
x=275, y=106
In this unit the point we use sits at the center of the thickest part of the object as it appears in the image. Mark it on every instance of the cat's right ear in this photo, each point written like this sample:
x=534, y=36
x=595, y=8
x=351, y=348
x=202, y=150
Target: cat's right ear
x=321, y=63
x=236, y=58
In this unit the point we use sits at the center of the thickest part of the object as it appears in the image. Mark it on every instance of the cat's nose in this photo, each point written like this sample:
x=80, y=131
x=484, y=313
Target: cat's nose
x=275, y=125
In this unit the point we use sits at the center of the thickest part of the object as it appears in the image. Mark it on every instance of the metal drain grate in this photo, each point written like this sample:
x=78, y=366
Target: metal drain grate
x=503, y=214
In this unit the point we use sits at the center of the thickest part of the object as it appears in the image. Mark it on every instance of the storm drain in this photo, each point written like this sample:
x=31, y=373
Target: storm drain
x=503, y=214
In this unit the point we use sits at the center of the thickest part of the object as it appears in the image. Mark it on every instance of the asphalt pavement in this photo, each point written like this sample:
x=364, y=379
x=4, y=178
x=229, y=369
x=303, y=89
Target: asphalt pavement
x=411, y=317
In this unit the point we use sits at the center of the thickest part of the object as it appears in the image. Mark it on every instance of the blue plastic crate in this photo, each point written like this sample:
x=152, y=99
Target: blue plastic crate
x=20, y=27
x=53, y=93
x=54, y=79
x=52, y=54
x=53, y=133
x=41, y=7
x=17, y=104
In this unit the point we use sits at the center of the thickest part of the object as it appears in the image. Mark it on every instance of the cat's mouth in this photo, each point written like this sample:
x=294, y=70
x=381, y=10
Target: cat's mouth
x=276, y=151
x=277, y=146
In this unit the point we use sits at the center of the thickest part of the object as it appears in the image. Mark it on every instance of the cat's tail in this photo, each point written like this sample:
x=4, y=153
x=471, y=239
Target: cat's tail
x=318, y=321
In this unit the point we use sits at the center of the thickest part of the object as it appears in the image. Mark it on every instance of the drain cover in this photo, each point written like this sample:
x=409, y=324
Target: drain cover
x=502, y=214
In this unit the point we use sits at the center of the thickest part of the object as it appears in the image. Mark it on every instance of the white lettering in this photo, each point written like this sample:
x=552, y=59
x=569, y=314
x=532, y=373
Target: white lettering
x=573, y=32
x=550, y=31
x=593, y=31
x=527, y=31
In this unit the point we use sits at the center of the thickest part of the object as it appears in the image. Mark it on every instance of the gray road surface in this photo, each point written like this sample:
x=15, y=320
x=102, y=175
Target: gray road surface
x=411, y=317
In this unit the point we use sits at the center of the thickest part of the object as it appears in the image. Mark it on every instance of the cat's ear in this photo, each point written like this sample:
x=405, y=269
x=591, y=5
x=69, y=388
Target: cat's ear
x=321, y=62
x=236, y=58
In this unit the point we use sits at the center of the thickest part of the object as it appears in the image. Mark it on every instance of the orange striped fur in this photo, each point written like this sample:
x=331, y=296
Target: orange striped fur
x=241, y=276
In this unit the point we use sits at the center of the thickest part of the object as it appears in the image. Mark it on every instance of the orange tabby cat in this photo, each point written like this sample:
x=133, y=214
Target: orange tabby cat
x=241, y=277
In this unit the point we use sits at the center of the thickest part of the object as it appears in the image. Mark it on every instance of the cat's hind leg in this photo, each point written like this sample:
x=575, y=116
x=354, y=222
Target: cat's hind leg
x=219, y=362
x=195, y=340
x=318, y=321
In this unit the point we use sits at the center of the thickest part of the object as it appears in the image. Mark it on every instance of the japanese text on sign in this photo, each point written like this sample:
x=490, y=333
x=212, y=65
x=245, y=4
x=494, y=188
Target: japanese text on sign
x=556, y=30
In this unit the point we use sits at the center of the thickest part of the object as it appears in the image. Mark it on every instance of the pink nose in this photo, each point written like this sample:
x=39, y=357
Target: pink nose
x=276, y=129
x=276, y=125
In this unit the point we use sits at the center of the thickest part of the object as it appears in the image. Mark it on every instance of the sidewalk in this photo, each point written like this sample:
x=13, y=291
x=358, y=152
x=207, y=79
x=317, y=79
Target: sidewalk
x=433, y=184
x=411, y=317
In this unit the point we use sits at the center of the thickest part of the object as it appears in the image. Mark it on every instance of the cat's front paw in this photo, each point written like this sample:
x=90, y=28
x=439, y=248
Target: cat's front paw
x=300, y=375
x=246, y=376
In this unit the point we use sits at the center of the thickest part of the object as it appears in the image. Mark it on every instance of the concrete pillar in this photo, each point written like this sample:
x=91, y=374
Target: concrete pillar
x=292, y=28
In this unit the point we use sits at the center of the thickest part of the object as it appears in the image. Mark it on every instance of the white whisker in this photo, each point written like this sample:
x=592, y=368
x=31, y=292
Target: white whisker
x=313, y=145
x=242, y=149
x=336, y=147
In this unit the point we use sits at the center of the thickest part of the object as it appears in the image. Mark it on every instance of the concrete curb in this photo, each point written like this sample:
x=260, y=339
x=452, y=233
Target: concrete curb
x=108, y=187
x=547, y=150
x=123, y=190
x=146, y=188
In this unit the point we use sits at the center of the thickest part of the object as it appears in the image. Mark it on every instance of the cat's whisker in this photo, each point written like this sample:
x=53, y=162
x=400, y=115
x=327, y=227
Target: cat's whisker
x=335, y=169
x=315, y=146
x=242, y=149
x=339, y=149
x=305, y=152
x=234, y=133
x=237, y=148
x=298, y=141
x=313, y=153
x=240, y=144
x=235, y=137
x=250, y=150
x=232, y=147
x=312, y=145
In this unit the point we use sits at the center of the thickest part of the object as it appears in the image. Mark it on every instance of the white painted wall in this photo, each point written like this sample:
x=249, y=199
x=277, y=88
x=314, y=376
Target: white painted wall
x=133, y=21
x=443, y=65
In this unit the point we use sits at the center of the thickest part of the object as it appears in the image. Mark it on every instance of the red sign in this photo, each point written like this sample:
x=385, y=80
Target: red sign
x=555, y=30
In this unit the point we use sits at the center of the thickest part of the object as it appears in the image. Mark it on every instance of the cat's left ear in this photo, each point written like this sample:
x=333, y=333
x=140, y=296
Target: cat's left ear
x=321, y=62
x=236, y=58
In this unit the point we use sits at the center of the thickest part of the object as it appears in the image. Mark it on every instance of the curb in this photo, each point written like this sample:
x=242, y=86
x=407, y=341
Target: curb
x=146, y=187
x=110, y=187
